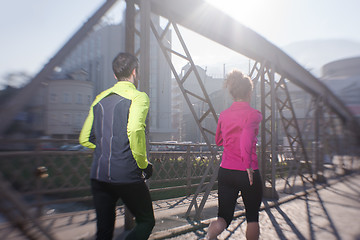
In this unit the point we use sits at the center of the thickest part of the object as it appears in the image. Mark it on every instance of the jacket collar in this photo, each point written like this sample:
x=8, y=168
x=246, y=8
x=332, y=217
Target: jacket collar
x=120, y=86
x=240, y=104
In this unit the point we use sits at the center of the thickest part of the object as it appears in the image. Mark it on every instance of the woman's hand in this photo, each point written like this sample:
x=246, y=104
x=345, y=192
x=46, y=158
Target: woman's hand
x=250, y=172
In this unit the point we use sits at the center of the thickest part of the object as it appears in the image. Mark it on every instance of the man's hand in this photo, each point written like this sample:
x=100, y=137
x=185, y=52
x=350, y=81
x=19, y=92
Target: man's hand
x=250, y=172
x=148, y=171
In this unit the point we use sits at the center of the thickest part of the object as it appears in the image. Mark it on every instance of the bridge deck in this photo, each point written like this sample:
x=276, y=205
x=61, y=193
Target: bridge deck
x=329, y=212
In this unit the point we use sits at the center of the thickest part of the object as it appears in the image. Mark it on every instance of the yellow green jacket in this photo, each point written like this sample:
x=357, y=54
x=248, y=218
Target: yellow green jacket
x=115, y=128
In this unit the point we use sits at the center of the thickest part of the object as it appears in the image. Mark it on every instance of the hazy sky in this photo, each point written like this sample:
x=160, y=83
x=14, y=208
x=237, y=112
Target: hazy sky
x=33, y=31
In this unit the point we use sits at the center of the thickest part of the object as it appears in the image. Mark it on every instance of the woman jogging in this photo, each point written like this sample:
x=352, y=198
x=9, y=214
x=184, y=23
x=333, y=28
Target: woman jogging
x=236, y=131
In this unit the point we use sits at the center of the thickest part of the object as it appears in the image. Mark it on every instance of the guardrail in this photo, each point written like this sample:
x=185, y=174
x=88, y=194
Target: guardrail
x=49, y=173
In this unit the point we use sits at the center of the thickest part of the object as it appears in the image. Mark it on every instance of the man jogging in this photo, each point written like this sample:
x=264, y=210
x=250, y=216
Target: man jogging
x=115, y=128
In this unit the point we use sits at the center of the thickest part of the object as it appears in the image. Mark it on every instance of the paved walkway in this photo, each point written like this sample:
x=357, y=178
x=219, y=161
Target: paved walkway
x=330, y=212
x=325, y=214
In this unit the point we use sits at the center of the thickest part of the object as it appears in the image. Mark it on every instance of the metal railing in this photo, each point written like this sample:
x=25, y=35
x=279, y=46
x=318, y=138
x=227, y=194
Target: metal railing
x=47, y=173
x=37, y=174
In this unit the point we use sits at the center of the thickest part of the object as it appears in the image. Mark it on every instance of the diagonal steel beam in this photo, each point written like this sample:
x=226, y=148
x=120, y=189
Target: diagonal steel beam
x=206, y=188
x=17, y=102
x=293, y=134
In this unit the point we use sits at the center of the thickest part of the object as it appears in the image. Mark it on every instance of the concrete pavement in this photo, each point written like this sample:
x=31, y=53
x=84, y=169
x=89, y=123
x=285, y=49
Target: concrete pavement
x=331, y=211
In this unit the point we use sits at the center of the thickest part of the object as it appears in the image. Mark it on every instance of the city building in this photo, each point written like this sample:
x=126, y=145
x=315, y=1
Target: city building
x=343, y=78
x=60, y=106
x=67, y=105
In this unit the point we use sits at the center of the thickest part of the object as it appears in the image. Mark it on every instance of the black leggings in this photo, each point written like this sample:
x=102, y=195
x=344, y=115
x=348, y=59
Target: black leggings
x=135, y=196
x=230, y=183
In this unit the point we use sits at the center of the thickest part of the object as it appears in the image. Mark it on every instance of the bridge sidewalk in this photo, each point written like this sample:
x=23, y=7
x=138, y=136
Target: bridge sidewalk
x=329, y=212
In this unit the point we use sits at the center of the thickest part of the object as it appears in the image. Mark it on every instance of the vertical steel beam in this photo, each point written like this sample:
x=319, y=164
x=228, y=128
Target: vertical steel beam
x=144, y=80
x=319, y=159
x=263, y=154
x=129, y=222
x=273, y=132
x=144, y=73
x=308, y=130
x=293, y=134
x=317, y=137
x=144, y=76
x=130, y=27
x=268, y=132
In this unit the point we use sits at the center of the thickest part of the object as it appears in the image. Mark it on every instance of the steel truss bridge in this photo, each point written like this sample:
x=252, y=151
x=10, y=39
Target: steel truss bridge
x=328, y=122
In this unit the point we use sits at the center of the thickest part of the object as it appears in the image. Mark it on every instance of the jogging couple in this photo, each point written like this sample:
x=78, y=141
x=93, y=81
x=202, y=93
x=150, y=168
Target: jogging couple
x=115, y=129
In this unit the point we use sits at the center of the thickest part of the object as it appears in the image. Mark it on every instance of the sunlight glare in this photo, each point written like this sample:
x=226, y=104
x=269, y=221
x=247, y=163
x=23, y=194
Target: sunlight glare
x=262, y=16
x=245, y=11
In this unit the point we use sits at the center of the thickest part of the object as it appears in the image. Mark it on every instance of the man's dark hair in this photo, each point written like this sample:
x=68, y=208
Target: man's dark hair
x=123, y=65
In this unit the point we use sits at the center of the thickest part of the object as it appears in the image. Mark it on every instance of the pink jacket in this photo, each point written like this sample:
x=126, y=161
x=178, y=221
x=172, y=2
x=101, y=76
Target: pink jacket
x=237, y=129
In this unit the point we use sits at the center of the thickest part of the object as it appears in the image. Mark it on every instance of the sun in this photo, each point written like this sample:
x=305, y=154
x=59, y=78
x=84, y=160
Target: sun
x=238, y=9
x=262, y=16
x=246, y=11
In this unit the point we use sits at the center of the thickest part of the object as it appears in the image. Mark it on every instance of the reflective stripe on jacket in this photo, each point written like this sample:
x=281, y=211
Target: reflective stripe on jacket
x=115, y=128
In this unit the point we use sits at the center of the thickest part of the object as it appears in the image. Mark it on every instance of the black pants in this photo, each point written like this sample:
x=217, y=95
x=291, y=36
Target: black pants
x=231, y=182
x=135, y=196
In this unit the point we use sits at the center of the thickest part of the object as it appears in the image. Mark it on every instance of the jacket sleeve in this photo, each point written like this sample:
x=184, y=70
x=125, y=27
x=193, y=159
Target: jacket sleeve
x=218, y=136
x=87, y=137
x=248, y=137
x=136, y=128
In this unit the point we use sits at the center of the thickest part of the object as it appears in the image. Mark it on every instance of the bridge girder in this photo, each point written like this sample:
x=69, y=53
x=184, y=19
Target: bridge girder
x=198, y=16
